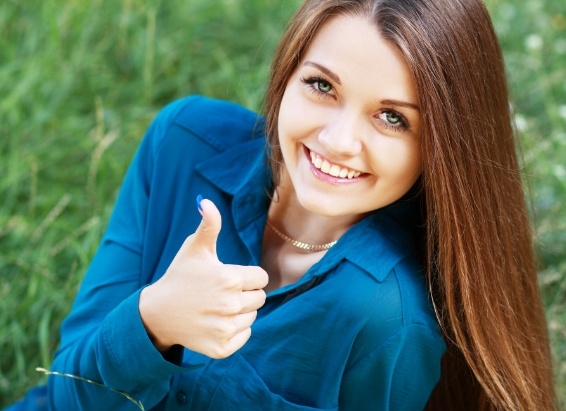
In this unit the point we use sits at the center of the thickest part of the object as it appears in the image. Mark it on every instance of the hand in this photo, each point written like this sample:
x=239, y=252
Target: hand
x=199, y=302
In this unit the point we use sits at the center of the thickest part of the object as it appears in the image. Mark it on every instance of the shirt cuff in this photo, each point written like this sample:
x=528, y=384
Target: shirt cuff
x=133, y=355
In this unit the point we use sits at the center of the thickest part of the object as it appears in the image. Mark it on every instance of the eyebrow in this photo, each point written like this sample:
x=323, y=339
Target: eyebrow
x=326, y=71
x=335, y=77
x=401, y=104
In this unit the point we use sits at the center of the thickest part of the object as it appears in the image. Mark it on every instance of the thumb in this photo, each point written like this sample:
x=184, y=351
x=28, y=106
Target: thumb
x=206, y=234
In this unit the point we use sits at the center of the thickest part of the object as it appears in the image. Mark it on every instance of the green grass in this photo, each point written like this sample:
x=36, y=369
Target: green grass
x=80, y=82
x=533, y=37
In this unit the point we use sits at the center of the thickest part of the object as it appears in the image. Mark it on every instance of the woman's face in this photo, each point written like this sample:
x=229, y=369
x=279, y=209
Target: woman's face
x=349, y=123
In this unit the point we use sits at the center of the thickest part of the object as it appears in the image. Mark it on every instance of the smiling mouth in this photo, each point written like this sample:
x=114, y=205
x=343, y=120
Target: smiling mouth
x=332, y=169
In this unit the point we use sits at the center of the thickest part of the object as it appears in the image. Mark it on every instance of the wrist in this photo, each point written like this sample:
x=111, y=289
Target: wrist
x=151, y=321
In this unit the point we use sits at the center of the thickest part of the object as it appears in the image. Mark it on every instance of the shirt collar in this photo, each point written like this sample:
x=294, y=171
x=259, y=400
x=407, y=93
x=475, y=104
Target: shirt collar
x=377, y=243
x=239, y=169
x=242, y=172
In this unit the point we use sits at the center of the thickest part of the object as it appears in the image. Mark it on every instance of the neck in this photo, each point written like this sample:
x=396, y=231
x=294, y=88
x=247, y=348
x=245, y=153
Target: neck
x=289, y=216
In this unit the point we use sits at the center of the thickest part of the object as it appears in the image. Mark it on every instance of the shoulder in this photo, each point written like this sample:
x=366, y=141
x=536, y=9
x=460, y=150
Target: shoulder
x=396, y=308
x=216, y=123
x=384, y=285
x=391, y=300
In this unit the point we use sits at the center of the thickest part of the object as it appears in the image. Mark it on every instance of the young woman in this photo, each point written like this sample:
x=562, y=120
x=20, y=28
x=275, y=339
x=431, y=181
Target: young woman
x=390, y=235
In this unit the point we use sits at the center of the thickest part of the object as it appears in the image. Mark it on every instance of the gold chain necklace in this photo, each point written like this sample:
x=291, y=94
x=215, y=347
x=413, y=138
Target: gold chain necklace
x=300, y=244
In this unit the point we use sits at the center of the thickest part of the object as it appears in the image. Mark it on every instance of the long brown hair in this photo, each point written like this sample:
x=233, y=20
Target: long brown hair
x=480, y=260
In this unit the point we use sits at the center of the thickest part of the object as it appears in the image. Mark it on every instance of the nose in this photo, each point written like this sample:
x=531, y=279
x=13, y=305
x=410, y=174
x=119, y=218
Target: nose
x=342, y=134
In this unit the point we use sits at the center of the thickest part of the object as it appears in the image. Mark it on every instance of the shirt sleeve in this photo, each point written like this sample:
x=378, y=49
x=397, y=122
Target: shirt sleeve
x=103, y=338
x=399, y=375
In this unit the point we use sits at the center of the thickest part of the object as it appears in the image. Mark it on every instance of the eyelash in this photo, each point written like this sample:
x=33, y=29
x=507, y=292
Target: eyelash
x=310, y=82
x=403, y=123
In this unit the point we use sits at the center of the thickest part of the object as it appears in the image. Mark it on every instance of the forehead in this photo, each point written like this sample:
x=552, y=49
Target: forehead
x=352, y=47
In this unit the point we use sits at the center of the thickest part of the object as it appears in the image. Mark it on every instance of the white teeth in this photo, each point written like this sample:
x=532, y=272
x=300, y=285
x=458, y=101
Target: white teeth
x=332, y=169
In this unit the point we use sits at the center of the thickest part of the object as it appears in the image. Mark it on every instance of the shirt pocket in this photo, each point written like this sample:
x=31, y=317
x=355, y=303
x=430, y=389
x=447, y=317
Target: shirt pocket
x=242, y=388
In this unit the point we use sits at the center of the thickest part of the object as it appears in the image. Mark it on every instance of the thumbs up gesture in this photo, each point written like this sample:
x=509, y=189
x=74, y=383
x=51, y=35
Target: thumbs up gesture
x=200, y=303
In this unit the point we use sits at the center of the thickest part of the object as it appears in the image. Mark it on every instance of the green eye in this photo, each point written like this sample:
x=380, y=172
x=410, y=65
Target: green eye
x=319, y=86
x=324, y=86
x=393, y=118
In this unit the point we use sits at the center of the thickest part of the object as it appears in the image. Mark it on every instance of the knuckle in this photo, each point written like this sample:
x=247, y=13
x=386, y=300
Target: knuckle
x=220, y=351
x=229, y=307
x=232, y=281
x=189, y=240
x=261, y=276
x=251, y=317
x=246, y=321
x=219, y=332
x=224, y=330
x=262, y=295
x=217, y=354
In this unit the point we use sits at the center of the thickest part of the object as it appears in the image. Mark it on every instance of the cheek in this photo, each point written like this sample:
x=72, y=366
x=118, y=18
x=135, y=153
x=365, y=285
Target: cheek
x=286, y=116
x=298, y=115
x=398, y=159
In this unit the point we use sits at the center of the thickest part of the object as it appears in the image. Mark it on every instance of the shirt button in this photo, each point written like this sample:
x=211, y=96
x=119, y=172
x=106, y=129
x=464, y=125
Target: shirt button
x=181, y=397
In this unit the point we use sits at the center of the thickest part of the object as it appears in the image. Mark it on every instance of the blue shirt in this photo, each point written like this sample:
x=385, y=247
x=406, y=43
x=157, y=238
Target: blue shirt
x=356, y=332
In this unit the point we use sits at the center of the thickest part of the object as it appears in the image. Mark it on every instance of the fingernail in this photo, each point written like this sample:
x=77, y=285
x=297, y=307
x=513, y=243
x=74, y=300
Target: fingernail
x=199, y=199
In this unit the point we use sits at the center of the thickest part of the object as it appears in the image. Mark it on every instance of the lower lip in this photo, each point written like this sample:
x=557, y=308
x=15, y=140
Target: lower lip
x=327, y=178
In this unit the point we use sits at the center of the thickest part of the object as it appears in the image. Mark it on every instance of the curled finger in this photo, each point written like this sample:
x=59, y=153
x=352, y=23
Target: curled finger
x=252, y=300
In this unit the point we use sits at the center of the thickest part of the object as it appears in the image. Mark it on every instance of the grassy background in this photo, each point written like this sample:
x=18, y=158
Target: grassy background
x=80, y=81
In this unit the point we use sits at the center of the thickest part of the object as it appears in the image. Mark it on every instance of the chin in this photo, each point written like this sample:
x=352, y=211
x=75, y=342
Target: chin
x=328, y=208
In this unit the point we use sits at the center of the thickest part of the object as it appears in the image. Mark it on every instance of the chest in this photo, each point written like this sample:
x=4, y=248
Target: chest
x=284, y=263
x=285, y=364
